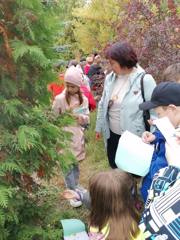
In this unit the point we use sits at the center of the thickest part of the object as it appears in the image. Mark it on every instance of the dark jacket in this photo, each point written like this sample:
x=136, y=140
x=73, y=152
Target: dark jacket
x=94, y=69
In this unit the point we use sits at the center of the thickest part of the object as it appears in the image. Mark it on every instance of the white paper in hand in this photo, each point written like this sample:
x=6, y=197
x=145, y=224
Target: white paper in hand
x=133, y=155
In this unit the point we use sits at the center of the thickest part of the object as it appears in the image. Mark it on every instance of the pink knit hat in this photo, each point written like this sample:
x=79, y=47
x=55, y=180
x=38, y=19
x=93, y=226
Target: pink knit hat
x=74, y=76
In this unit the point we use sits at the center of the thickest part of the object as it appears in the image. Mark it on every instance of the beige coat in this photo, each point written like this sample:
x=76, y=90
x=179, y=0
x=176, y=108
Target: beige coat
x=60, y=106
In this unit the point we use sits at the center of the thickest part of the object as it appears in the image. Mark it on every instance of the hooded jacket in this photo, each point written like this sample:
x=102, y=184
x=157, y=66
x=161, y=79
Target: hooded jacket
x=131, y=118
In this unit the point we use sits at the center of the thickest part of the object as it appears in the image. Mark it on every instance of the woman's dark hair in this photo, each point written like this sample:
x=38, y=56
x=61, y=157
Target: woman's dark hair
x=123, y=53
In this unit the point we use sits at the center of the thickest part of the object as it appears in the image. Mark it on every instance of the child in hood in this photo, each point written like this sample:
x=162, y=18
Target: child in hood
x=72, y=100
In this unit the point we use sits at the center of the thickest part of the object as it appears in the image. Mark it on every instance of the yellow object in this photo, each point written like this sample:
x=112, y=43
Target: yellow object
x=140, y=236
x=106, y=229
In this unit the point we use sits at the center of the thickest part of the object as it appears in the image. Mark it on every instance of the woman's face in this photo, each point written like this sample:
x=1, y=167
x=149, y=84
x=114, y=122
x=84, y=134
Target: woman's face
x=115, y=66
x=71, y=88
x=117, y=69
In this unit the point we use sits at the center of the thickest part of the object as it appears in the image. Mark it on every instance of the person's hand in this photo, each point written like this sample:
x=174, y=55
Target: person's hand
x=98, y=135
x=79, y=118
x=148, y=137
x=70, y=194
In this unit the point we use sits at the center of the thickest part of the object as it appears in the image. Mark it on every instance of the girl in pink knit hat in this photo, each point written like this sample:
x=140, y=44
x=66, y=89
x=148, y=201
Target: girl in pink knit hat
x=72, y=100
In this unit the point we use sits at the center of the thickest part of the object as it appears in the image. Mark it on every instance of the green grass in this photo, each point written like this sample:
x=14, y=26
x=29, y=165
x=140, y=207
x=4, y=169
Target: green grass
x=96, y=159
x=96, y=154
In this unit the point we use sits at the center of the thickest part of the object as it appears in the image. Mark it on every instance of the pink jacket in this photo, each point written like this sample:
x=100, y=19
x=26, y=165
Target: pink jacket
x=60, y=106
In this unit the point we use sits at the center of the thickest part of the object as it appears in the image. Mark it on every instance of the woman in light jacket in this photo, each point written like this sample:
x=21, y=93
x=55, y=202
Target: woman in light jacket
x=118, y=108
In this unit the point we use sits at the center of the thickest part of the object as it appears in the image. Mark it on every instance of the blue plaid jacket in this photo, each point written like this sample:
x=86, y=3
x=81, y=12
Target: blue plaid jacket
x=161, y=217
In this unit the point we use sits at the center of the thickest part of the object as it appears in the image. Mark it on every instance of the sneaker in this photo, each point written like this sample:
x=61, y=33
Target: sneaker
x=75, y=203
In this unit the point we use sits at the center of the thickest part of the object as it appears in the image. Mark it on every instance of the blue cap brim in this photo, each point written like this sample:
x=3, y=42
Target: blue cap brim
x=147, y=105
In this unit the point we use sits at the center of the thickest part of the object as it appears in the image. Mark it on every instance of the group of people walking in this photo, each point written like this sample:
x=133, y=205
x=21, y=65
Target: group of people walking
x=112, y=199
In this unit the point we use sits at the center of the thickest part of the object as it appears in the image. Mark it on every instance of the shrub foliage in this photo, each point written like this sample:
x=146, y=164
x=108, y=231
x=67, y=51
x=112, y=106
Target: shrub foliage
x=152, y=28
x=31, y=138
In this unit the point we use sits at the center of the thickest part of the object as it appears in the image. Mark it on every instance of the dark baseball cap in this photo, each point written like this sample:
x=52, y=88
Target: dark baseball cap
x=164, y=94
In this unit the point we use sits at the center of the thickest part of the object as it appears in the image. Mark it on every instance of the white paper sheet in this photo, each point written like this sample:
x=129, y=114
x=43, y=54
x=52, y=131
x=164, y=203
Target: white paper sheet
x=133, y=155
x=78, y=236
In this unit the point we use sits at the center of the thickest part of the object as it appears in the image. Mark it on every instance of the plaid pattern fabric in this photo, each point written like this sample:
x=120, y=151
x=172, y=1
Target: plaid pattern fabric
x=161, y=217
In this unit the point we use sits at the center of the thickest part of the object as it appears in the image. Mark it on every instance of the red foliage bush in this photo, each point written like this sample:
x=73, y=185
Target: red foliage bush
x=152, y=29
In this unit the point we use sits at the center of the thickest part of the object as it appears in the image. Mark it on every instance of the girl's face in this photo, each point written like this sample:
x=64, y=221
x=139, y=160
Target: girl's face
x=71, y=88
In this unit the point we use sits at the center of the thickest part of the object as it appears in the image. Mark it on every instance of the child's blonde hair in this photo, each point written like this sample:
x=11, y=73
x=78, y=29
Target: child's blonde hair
x=172, y=73
x=112, y=203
